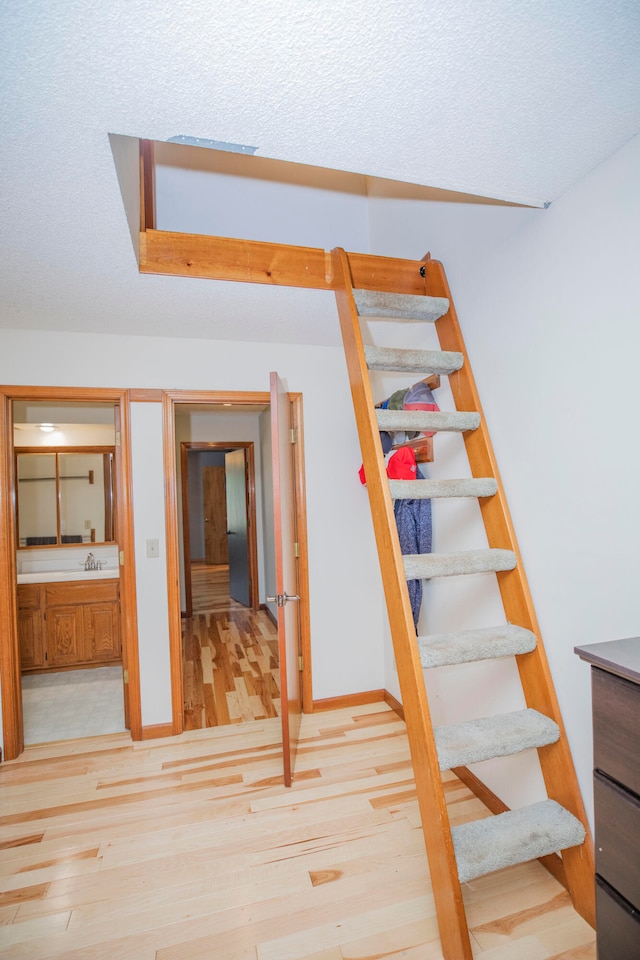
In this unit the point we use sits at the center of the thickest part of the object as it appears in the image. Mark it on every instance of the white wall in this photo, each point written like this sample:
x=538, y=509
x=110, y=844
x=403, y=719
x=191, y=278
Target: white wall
x=251, y=208
x=558, y=376
x=151, y=572
x=347, y=634
x=549, y=302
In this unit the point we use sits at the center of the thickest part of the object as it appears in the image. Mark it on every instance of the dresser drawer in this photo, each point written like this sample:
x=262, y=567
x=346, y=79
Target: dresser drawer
x=616, y=722
x=616, y=840
x=618, y=925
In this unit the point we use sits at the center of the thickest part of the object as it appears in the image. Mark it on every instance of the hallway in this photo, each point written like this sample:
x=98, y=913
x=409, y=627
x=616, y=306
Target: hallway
x=230, y=656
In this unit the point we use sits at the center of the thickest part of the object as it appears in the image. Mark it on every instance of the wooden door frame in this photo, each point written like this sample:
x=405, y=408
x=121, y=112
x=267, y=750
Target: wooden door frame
x=247, y=445
x=170, y=399
x=10, y=676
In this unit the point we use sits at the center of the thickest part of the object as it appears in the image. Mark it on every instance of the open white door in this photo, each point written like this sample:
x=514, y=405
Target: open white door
x=286, y=573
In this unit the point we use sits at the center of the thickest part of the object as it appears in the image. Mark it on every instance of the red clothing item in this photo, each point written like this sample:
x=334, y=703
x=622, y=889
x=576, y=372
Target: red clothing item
x=401, y=465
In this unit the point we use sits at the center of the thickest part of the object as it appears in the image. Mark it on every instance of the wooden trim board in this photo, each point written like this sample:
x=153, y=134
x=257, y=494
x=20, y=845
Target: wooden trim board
x=277, y=264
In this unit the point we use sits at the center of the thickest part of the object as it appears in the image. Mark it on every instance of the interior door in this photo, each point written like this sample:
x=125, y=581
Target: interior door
x=286, y=573
x=237, y=539
x=215, y=514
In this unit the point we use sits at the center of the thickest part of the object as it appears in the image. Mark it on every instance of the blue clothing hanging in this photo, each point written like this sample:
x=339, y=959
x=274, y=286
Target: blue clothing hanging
x=413, y=520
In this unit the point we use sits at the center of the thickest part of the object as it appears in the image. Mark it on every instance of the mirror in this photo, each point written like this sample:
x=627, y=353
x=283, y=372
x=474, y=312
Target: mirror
x=65, y=497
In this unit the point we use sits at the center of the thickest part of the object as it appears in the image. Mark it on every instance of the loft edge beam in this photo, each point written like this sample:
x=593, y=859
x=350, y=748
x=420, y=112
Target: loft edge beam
x=279, y=264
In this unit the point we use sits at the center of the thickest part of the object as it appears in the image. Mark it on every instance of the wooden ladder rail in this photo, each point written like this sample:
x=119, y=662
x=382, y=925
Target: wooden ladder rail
x=443, y=870
x=555, y=760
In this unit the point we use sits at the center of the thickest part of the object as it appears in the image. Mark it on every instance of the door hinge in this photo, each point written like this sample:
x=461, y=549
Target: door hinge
x=292, y=435
x=125, y=676
x=296, y=549
x=117, y=438
x=300, y=663
x=121, y=558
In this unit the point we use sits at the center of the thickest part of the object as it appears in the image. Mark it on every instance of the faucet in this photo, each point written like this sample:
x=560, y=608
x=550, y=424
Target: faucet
x=90, y=563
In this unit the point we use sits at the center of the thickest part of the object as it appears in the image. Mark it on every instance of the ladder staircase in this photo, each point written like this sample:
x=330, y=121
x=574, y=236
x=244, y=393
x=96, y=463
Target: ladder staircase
x=461, y=853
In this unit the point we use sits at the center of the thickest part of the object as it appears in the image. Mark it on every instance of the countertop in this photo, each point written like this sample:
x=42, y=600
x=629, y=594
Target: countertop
x=621, y=657
x=61, y=576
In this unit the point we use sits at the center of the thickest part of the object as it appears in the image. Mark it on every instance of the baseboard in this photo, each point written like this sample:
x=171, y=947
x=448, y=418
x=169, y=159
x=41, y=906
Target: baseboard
x=357, y=699
x=156, y=731
x=266, y=609
x=349, y=700
x=552, y=862
x=391, y=701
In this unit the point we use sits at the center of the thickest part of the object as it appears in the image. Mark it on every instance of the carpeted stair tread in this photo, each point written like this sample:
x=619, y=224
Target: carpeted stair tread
x=517, y=836
x=400, y=306
x=499, y=736
x=417, y=421
x=423, y=566
x=467, y=646
x=424, y=362
x=425, y=489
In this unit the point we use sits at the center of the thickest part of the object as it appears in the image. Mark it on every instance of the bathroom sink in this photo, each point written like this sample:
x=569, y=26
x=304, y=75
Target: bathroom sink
x=55, y=576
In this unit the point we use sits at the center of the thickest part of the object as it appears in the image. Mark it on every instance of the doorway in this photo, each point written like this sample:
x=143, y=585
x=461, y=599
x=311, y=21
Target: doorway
x=254, y=620
x=219, y=522
x=86, y=621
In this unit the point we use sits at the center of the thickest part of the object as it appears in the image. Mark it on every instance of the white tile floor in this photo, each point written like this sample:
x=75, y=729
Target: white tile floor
x=72, y=703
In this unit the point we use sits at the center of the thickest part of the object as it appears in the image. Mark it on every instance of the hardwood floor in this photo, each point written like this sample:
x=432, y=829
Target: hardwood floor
x=230, y=656
x=210, y=588
x=190, y=848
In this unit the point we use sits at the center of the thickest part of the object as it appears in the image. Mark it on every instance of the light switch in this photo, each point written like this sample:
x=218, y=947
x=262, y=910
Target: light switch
x=153, y=548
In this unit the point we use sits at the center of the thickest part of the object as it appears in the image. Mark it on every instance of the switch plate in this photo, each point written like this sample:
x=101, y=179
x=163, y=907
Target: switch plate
x=153, y=549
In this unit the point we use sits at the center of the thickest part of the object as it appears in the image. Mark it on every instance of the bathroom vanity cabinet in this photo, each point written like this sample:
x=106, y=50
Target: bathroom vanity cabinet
x=63, y=625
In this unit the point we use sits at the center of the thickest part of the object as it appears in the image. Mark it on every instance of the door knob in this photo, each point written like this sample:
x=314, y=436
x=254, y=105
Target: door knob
x=282, y=598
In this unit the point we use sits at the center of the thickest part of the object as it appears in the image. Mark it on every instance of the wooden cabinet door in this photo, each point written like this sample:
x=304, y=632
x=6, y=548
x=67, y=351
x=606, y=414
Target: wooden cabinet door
x=65, y=631
x=215, y=514
x=102, y=632
x=30, y=634
x=30, y=639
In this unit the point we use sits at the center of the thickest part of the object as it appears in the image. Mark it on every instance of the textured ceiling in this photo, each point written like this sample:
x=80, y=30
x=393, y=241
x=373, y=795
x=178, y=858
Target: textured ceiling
x=507, y=99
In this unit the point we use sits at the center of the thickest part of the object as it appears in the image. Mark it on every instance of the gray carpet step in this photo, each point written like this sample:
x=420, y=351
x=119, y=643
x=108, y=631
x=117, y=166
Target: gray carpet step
x=467, y=646
x=424, y=566
x=517, y=836
x=500, y=736
x=424, y=362
x=417, y=421
x=400, y=306
x=426, y=489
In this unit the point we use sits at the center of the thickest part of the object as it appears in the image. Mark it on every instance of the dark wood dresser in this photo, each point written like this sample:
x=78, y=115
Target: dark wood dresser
x=615, y=685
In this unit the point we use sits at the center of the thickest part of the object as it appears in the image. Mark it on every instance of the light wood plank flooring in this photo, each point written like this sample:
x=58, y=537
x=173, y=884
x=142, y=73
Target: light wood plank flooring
x=230, y=656
x=190, y=848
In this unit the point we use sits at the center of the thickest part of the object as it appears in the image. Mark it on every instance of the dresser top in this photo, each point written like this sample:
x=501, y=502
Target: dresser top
x=621, y=657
